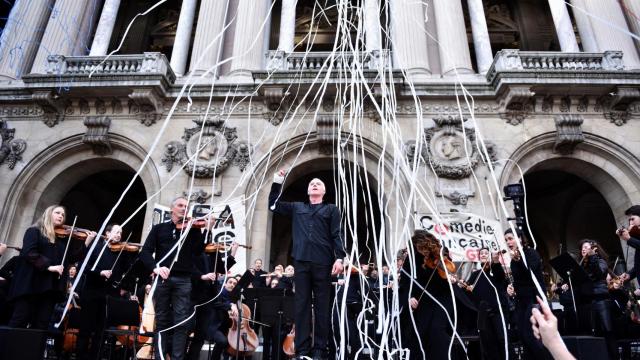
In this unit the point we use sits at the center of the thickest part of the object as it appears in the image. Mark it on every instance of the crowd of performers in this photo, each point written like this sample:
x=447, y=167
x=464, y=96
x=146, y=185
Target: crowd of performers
x=334, y=308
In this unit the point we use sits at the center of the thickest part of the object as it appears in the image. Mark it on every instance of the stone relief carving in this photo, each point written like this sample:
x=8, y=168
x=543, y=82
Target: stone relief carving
x=326, y=133
x=97, y=134
x=448, y=144
x=457, y=192
x=208, y=149
x=411, y=147
x=569, y=133
x=277, y=105
x=146, y=105
x=52, y=105
x=518, y=104
x=198, y=196
x=11, y=149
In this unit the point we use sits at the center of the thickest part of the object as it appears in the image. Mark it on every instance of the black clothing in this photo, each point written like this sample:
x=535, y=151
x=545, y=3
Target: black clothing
x=172, y=298
x=488, y=282
x=211, y=319
x=259, y=281
x=595, y=295
x=37, y=254
x=317, y=243
x=526, y=292
x=33, y=309
x=315, y=228
x=162, y=238
x=433, y=328
x=635, y=271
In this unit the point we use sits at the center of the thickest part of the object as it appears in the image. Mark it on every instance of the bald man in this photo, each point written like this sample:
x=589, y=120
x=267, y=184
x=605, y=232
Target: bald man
x=317, y=252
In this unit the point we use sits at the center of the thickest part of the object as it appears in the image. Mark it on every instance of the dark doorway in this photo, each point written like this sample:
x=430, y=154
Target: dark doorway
x=92, y=199
x=564, y=209
x=365, y=221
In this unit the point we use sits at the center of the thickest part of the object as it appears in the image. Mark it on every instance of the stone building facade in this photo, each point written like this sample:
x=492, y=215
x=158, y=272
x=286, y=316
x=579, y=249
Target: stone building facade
x=555, y=92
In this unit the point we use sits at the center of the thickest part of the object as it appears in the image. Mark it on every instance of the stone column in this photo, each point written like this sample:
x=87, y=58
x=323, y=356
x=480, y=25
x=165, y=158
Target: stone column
x=286, y=42
x=181, y=44
x=409, y=39
x=63, y=32
x=248, y=43
x=633, y=7
x=21, y=36
x=372, y=26
x=107, y=21
x=452, y=36
x=481, y=40
x=587, y=37
x=608, y=37
x=209, y=38
x=564, y=27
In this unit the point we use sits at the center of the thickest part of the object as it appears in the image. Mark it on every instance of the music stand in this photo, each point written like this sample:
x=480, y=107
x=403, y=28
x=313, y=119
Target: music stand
x=244, y=281
x=274, y=305
x=569, y=270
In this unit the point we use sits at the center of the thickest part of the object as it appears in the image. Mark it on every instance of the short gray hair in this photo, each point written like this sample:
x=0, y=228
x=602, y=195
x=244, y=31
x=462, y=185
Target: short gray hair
x=175, y=200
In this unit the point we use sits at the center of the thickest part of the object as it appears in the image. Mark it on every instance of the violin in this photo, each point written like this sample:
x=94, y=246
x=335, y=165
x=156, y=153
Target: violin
x=634, y=231
x=430, y=249
x=289, y=345
x=216, y=247
x=63, y=231
x=123, y=246
x=243, y=340
x=195, y=224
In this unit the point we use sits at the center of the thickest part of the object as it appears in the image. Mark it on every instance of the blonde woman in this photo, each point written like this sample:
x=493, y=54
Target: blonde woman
x=40, y=277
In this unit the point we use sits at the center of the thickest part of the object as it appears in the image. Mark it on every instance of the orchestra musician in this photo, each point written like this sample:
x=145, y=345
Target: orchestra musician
x=172, y=297
x=595, y=293
x=634, y=241
x=259, y=280
x=525, y=291
x=488, y=290
x=210, y=317
x=96, y=286
x=433, y=329
x=317, y=252
x=40, y=279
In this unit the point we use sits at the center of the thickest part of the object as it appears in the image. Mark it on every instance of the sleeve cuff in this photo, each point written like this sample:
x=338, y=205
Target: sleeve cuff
x=278, y=179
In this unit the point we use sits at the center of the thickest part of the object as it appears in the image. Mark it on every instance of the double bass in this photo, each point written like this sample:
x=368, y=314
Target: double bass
x=242, y=339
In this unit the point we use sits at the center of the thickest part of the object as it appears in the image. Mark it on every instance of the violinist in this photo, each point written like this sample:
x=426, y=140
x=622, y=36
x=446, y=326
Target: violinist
x=634, y=241
x=210, y=317
x=40, y=278
x=525, y=291
x=96, y=286
x=595, y=293
x=487, y=286
x=433, y=328
x=172, y=297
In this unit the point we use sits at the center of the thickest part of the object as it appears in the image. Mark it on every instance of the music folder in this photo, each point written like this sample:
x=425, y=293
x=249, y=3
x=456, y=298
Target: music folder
x=566, y=267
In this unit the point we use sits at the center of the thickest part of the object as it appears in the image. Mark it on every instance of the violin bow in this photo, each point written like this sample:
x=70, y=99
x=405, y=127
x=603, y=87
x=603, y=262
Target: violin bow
x=66, y=249
x=120, y=253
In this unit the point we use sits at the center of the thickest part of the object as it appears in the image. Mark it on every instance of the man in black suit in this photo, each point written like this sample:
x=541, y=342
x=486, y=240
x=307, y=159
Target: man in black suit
x=317, y=252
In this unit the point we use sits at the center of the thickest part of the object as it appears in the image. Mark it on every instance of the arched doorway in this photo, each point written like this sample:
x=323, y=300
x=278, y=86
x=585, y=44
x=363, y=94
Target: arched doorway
x=563, y=209
x=361, y=224
x=92, y=198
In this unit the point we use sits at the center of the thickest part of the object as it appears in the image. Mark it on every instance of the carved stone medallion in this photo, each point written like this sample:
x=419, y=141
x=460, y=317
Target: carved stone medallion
x=451, y=148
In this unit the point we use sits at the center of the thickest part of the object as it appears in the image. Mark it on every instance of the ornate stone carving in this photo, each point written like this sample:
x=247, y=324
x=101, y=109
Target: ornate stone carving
x=568, y=133
x=148, y=106
x=517, y=104
x=11, y=149
x=207, y=155
x=451, y=149
x=277, y=104
x=565, y=104
x=173, y=154
x=457, y=192
x=547, y=104
x=199, y=196
x=243, y=155
x=618, y=117
x=457, y=198
x=97, y=135
x=326, y=133
x=53, y=106
x=583, y=104
x=411, y=147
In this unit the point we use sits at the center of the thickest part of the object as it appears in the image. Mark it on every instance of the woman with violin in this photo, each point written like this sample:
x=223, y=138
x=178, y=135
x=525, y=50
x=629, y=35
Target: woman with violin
x=210, y=317
x=525, y=291
x=433, y=328
x=96, y=286
x=595, y=293
x=40, y=278
x=487, y=286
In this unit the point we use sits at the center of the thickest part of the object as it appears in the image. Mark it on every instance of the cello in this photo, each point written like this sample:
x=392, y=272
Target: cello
x=243, y=340
x=289, y=345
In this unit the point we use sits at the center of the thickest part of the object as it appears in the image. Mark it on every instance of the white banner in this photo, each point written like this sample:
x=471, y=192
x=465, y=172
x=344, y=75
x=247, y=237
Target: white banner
x=229, y=225
x=464, y=234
